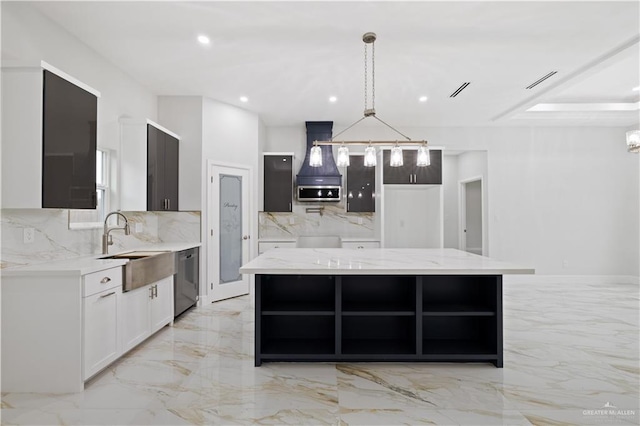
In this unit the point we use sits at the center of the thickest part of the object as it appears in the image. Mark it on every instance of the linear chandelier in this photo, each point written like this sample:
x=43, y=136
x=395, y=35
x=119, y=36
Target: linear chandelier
x=370, y=158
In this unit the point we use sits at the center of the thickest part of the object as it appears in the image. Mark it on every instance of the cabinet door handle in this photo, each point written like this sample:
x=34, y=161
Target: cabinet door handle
x=289, y=206
x=151, y=292
x=155, y=290
x=168, y=203
x=360, y=247
x=107, y=295
x=105, y=280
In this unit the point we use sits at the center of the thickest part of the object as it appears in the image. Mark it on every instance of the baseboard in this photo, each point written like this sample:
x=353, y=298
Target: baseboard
x=571, y=279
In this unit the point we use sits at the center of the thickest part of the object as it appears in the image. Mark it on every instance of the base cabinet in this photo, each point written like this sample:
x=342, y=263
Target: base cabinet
x=443, y=318
x=144, y=311
x=101, y=343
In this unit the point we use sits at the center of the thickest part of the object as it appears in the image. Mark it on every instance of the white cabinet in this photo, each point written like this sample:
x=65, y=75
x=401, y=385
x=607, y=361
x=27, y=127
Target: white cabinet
x=360, y=244
x=264, y=246
x=145, y=310
x=101, y=343
x=161, y=304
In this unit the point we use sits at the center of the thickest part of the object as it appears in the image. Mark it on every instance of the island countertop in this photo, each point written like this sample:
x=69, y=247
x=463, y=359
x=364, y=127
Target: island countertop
x=383, y=261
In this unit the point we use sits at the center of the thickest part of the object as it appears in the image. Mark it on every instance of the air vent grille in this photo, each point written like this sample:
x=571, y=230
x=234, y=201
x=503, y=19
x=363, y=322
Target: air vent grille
x=540, y=80
x=460, y=89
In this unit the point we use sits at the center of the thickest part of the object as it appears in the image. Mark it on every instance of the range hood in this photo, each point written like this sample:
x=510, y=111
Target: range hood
x=322, y=183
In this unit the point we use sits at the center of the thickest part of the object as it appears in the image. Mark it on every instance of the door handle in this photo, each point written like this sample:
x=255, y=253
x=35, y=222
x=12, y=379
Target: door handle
x=245, y=237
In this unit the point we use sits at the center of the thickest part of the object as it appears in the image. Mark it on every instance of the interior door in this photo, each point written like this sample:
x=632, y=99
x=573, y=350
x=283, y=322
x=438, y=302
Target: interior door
x=472, y=216
x=229, y=231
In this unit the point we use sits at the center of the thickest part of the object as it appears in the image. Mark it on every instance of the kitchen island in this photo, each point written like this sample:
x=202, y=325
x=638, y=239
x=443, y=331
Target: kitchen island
x=410, y=305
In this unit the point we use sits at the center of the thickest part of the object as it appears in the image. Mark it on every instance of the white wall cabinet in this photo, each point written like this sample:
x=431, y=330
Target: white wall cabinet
x=145, y=310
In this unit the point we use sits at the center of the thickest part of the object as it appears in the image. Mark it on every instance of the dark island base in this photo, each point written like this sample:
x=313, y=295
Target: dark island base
x=356, y=318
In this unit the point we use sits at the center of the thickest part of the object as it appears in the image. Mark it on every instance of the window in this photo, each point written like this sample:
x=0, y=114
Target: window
x=83, y=219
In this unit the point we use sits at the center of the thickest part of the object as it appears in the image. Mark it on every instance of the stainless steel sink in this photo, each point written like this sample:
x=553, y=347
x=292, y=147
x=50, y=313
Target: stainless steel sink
x=145, y=267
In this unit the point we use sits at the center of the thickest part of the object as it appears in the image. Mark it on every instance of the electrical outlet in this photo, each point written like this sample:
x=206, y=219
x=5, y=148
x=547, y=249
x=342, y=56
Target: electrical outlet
x=565, y=263
x=29, y=235
x=139, y=228
x=292, y=220
x=359, y=221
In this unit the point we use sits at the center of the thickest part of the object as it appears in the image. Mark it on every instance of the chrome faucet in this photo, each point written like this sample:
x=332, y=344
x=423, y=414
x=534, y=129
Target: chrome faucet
x=106, y=238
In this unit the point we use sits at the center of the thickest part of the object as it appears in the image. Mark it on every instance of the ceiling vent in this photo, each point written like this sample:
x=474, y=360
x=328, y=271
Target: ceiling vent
x=535, y=83
x=460, y=89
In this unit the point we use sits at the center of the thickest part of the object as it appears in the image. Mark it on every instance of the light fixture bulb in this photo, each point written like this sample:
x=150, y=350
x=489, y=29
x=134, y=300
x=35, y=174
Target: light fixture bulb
x=633, y=140
x=396, y=156
x=315, y=156
x=424, y=157
x=370, y=156
x=343, y=156
x=203, y=39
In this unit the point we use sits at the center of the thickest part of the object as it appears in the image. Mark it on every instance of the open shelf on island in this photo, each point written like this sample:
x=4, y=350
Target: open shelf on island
x=371, y=293
x=378, y=335
x=459, y=294
x=298, y=334
x=447, y=335
x=298, y=293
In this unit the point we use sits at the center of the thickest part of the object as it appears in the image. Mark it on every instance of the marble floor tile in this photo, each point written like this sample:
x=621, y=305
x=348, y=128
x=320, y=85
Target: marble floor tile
x=571, y=352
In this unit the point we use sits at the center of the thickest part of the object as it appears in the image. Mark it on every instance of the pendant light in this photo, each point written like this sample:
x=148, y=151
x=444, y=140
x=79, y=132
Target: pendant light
x=370, y=156
x=315, y=156
x=633, y=140
x=343, y=156
x=396, y=156
x=424, y=157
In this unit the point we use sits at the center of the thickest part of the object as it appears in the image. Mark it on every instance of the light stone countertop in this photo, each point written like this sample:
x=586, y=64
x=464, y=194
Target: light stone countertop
x=386, y=261
x=88, y=264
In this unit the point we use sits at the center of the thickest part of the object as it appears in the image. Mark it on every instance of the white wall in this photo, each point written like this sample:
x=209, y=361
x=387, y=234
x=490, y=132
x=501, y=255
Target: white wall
x=29, y=37
x=554, y=194
x=413, y=216
x=183, y=115
x=450, y=199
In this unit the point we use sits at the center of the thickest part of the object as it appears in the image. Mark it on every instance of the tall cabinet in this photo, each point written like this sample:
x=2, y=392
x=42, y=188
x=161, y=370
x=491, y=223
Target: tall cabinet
x=409, y=173
x=148, y=167
x=361, y=186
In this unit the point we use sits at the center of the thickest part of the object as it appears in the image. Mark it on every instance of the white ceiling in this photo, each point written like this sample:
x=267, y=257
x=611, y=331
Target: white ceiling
x=289, y=57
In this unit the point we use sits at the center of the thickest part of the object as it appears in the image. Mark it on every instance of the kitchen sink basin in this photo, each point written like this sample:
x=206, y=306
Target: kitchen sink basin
x=145, y=267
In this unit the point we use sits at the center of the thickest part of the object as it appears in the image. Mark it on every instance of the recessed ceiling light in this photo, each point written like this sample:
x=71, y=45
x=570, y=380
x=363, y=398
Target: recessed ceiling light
x=332, y=99
x=422, y=99
x=204, y=39
x=636, y=88
x=244, y=99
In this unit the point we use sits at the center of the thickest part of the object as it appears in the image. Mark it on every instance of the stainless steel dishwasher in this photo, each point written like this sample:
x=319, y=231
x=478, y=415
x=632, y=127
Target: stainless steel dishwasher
x=186, y=280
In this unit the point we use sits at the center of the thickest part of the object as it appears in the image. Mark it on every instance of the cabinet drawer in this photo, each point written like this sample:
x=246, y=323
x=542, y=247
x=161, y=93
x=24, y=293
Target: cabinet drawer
x=102, y=280
x=262, y=247
x=360, y=244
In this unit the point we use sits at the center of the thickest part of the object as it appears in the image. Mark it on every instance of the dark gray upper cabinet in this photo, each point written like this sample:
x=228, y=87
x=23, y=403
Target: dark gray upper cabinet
x=278, y=183
x=162, y=170
x=409, y=173
x=69, y=119
x=361, y=185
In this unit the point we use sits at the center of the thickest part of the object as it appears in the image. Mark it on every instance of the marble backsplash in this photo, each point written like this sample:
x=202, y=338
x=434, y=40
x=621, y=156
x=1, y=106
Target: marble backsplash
x=333, y=220
x=53, y=240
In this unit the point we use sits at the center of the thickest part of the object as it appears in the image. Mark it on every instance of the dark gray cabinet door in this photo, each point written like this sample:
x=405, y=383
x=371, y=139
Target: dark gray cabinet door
x=278, y=183
x=171, y=172
x=69, y=117
x=361, y=185
x=155, y=166
x=409, y=172
x=398, y=175
x=431, y=174
x=162, y=170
